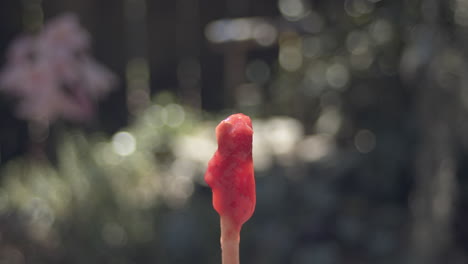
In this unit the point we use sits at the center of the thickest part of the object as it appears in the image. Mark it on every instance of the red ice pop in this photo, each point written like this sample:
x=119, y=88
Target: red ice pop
x=230, y=175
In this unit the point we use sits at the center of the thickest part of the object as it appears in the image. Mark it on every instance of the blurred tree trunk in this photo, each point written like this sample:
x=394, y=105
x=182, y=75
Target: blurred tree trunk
x=137, y=65
x=437, y=106
x=188, y=46
x=435, y=182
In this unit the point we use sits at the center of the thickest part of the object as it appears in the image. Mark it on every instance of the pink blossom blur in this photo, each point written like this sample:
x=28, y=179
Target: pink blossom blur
x=53, y=75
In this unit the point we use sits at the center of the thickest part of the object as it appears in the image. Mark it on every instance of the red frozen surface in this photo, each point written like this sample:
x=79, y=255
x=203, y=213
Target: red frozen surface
x=230, y=171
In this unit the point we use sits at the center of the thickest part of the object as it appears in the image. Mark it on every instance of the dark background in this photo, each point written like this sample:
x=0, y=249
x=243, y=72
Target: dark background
x=389, y=188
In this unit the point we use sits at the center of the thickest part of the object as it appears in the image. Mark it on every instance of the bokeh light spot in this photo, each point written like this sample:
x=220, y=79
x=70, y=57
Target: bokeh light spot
x=316, y=147
x=357, y=42
x=337, y=76
x=283, y=134
x=264, y=34
x=357, y=8
x=364, y=141
x=381, y=31
x=329, y=121
x=123, y=143
x=290, y=58
x=174, y=115
x=215, y=32
x=292, y=9
x=155, y=115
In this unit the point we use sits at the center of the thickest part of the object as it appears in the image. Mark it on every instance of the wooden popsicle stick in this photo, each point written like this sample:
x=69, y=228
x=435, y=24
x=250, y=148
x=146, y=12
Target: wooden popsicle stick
x=230, y=237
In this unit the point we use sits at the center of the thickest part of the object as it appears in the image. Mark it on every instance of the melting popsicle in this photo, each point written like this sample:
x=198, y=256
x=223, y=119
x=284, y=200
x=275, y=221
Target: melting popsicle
x=231, y=177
